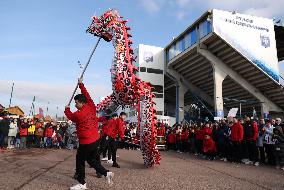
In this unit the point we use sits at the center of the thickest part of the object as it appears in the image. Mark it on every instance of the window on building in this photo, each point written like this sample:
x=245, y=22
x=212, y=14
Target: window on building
x=209, y=27
x=142, y=69
x=167, y=56
x=159, y=95
x=187, y=42
x=204, y=28
x=156, y=71
x=158, y=88
x=159, y=113
x=193, y=37
x=177, y=48
x=171, y=52
x=182, y=44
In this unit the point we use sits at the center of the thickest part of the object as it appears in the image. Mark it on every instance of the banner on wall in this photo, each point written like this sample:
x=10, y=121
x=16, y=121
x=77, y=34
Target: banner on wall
x=252, y=36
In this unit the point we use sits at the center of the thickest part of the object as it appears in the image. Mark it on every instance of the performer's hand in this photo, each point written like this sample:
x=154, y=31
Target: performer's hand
x=80, y=80
x=67, y=107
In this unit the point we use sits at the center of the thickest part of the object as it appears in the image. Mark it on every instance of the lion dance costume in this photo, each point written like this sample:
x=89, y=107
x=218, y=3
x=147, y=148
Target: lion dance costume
x=128, y=89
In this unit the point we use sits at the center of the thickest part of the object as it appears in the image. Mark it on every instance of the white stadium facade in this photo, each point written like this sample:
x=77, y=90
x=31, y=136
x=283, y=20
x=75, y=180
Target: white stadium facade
x=224, y=60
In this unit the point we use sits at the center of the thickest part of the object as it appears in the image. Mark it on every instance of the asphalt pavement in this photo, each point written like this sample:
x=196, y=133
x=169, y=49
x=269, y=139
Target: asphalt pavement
x=48, y=169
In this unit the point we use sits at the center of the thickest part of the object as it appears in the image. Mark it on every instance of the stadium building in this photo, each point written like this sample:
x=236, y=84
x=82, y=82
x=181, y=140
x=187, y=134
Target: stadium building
x=224, y=60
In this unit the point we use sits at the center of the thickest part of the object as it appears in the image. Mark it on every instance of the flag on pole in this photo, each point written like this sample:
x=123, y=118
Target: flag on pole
x=40, y=110
x=33, y=104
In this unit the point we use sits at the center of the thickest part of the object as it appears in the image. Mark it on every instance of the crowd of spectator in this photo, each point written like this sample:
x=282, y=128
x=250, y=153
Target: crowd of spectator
x=25, y=133
x=239, y=140
x=236, y=140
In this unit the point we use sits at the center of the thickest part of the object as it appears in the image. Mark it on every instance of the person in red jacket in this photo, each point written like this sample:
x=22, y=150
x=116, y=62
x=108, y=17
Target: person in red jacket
x=178, y=138
x=209, y=147
x=171, y=141
x=24, y=133
x=109, y=131
x=237, y=134
x=86, y=122
x=160, y=129
x=116, y=129
x=185, y=139
x=48, y=135
x=103, y=139
x=199, y=136
x=207, y=129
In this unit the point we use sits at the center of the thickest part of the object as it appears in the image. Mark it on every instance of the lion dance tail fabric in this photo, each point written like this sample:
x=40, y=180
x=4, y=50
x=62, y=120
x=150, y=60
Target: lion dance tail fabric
x=127, y=88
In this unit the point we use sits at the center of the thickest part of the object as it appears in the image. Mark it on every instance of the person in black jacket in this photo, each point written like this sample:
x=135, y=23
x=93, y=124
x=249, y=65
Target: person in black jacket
x=1, y=134
x=278, y=137
x=4, y=130
x=260, y=140
x=223, y=141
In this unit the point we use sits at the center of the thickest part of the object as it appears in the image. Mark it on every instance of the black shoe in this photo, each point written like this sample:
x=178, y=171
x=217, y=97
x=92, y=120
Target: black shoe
x=115, y=165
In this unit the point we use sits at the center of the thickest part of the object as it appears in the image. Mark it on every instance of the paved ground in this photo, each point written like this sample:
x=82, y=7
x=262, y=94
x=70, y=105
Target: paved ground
x=40, y=169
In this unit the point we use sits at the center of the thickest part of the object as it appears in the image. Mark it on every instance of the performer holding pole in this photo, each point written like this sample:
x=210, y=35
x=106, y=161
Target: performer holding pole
x=86, y=122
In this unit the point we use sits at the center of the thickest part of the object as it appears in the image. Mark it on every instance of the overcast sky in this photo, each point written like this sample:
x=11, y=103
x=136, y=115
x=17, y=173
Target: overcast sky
x=41, y=41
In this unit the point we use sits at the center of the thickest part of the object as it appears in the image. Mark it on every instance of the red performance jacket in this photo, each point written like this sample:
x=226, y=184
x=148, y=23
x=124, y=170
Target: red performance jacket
x=171, y=138
x=255, y=132
x=86, y=119
x=48, y=131
x=207, y=131
x=199, y=134
x=116, y=127
x=237, y=132
x=24, y=129
x=160, y=131
x=184, y=135
x=209, y=145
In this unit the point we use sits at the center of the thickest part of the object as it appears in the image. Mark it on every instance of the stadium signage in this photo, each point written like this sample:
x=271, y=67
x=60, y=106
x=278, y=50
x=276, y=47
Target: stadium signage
x=252, y=36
